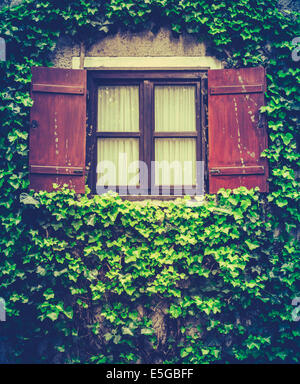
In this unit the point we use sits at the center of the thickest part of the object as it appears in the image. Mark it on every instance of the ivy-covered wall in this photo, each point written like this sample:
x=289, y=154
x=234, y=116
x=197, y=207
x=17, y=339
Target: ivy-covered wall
x=99, y=279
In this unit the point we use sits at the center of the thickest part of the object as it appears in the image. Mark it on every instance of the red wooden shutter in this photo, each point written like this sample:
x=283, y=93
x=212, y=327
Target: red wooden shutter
x=236, y=132
x=58, y=128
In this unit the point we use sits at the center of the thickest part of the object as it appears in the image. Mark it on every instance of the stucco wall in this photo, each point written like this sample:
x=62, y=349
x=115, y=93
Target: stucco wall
x=147, y=44
x=144, y=44
x=63, y=53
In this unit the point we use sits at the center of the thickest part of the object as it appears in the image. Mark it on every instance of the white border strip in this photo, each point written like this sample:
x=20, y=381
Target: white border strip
x=160, y=62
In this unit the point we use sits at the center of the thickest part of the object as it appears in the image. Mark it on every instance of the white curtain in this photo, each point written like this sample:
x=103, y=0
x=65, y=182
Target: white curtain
x=175, y=162
x=118, y=109
x=117, y=161
x=175, y=109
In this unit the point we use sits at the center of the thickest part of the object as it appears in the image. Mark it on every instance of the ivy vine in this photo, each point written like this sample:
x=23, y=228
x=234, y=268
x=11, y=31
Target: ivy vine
x=105, y=280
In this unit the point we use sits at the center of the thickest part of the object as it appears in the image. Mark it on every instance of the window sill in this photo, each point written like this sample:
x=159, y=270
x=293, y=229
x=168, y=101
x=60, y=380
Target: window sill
x=190, y=201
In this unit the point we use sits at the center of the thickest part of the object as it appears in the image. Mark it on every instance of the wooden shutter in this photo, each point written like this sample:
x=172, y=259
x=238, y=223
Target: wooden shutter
x=236, y=131
x=57, y=128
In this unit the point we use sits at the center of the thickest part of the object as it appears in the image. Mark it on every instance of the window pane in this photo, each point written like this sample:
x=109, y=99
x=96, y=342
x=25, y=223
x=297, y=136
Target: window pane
x=117, y=162
x=118, y=109
x=175, y=108
x=175, y=162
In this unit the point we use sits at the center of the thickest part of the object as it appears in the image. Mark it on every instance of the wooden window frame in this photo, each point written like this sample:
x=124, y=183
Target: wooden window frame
x=146, y=80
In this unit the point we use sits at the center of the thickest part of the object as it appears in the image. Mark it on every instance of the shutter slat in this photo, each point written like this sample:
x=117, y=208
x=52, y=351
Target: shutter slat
x=235, y=134
x=57, y=89
x=236, y=89
x=237, y=171
x=58, y=129
x=53, y=170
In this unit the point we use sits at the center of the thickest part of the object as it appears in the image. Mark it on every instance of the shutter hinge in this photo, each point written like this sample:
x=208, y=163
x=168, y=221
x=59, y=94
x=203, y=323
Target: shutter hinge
x=261, y=121
x=214, y=171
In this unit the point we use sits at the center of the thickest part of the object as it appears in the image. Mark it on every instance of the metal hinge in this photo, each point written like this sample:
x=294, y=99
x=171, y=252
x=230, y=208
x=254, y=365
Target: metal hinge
x=261, y=121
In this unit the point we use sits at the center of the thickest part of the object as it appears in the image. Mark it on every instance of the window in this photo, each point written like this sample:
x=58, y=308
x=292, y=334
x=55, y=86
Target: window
x=148, y=132
x=149, y=129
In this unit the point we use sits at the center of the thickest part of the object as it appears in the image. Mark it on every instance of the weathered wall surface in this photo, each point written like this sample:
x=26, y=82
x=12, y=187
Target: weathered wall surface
x=63, y=53
x=144, y=44
x=147, y=44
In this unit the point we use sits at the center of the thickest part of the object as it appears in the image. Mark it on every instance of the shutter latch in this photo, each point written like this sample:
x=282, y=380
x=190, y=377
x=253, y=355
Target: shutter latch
x=78, y=171
x=34, y=124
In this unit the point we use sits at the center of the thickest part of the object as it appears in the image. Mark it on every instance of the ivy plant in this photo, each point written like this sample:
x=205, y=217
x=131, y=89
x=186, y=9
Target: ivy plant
x=102, y=280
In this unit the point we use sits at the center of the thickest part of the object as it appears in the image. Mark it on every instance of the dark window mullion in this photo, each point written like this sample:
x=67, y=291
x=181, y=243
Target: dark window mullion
x=119, y=135
x=141, y=126
x=141, y=122
x=94, y=100
x=148, y=126
x=199, y=114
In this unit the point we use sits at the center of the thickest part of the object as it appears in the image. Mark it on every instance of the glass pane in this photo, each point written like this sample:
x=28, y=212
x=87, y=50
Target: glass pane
x=175, y=108
x=117, y=162
x=175, y=162
x=118, y=109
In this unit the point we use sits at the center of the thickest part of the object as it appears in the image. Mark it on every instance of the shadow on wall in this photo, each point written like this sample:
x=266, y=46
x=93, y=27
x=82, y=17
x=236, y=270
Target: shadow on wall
x=3, y=349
